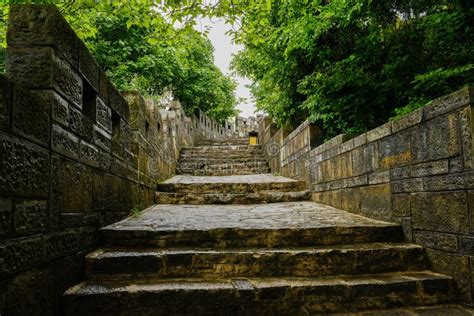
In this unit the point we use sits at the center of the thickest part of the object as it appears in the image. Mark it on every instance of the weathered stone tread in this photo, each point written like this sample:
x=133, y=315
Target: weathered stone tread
x=253, y=225
x=231, y=198
x=308, y=262
x=263, y=295
x=229, y=184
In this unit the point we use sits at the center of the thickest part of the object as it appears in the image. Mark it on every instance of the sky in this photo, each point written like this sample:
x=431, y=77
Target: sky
x=224, y=48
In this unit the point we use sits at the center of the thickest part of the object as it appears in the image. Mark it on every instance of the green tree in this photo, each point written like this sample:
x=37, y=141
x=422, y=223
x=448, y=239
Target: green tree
x=140, y=48
x=352, y=64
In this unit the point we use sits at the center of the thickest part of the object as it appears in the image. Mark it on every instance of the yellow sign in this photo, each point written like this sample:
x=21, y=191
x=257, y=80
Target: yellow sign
x=253, y=140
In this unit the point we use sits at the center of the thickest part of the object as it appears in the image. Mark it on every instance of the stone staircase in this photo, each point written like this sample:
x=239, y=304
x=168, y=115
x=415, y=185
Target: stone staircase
x=220, y=158
x=251, y=244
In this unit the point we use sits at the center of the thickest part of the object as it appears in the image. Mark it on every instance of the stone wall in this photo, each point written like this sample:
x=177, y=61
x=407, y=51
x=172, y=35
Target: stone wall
x=75, y=155
x=417, y=171
x=286, y=150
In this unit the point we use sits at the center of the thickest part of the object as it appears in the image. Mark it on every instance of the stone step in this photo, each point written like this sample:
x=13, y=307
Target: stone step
x=230, y=184
x=231, y=198
x=106, y=264
x=225, y=142
x=198, y=162
x=224, y=172
x=219, y=156
x=290, y=224
x=224, y=166
x=236, y=148
x=250, y=296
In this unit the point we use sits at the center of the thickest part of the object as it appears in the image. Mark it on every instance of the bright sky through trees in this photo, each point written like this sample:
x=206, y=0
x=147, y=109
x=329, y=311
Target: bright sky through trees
x=224, y=49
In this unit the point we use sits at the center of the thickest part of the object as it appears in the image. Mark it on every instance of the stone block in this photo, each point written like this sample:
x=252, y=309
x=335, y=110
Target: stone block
x=430, y=168
x=104, y=83
x=88, y=238
x=371, y=155
x=357, y=181
x=30, y=216
x=61, y=244
x=89, y=154
x=88, y=67
x=407, y=228
x=454, y=265
x=394, y=150
x=72, y=186
x=104, y=115
x=111, y=193
x=347, y=146
x=30, y=66
x=6, y=210
x=379, y=132
x=25, y=168
x=407, y=185
x=472, y=278
x=435, y=240
x=64, y=142
x=74, y=220
x=30, y=115
x=448, y=103
x=3, y=297
x=440, y=211
x=437, y=139
x=401, y=205
x=350, y=200
x=466, y=245
x=400, y=173
x=376, y=201
x=20, y=254
x=34, y=287
x=102, y=139
x=118, y=103
x=360, y=140
x=39, y=68
x=379, y=177
x=359, y=165
x=42, y=25
x=407, y=121
x=5, y=102
x=80, y=124
x=470, y=197
x=456, y=181
x=456, y=164
x=466, y=120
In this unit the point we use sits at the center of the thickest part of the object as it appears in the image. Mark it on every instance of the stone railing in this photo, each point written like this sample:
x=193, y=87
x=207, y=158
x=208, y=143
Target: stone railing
x=75, y=155
x=417, y=171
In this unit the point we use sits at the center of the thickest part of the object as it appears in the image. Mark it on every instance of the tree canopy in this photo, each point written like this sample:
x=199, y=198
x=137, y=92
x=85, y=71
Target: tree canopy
x=142, y=47
x=348, y=65
x=352, y=64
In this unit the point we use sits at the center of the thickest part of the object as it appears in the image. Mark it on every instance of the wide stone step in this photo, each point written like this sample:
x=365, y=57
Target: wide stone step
x=251, y=166
x=230, y=184
x=220, y=156
x=227, y=172
x=242, y=148
x=290, y=224
x=223, y=154
x=225, y=142
x=231, y=198
x=224, y=172
x=199, y=162
x=250, y=296
x=301, y=262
